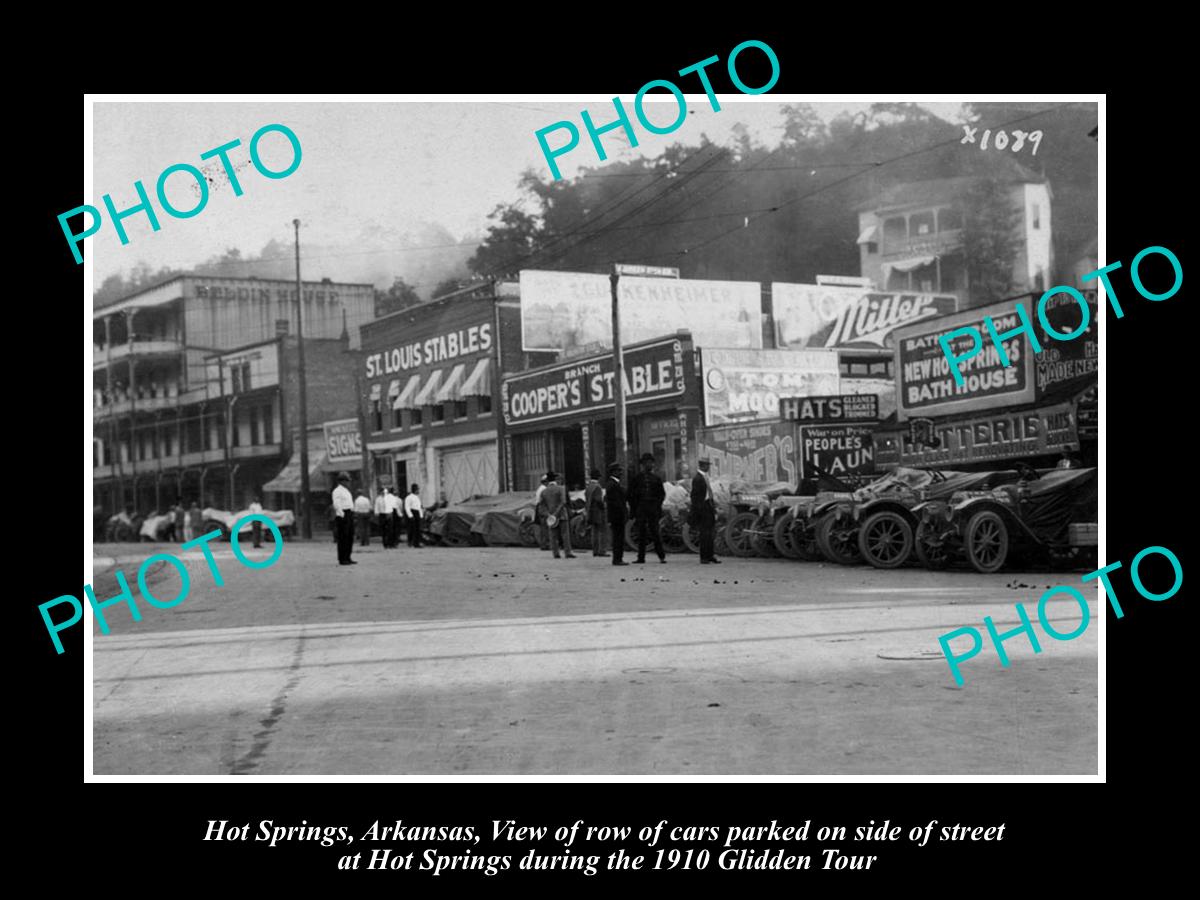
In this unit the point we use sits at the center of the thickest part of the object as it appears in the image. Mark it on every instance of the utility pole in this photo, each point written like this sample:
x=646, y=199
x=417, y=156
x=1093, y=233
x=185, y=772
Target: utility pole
x=621, y=438
x=619, y=269
x=305, y=518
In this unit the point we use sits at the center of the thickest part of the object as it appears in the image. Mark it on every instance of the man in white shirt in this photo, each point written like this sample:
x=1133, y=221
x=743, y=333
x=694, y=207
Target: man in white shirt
x=256, y=525
x=384, y=515
x=412, y=509
x=397, y=515
x=362, y=518
x=343, y=523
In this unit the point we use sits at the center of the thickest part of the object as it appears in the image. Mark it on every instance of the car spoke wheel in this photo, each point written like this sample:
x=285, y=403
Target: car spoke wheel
x=720, y=545
x=690, y=537
x=987, y=541
x=631, y=534
x=672, y=534
x=782, y=533
x=737, y=534
x=930, y=547
x=803, y=539
x=762, y=536
x=885, y=539
x=838, y=543
x=529, y=536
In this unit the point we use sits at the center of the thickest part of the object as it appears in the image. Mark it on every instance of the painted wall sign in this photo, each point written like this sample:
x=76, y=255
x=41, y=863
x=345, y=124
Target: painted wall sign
x=652, y=372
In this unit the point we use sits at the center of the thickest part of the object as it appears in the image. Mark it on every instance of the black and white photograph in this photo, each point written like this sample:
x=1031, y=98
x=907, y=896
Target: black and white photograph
x=676, y=435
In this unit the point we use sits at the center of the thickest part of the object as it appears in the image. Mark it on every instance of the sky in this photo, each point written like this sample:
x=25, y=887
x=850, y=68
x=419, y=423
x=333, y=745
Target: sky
x=368, y=169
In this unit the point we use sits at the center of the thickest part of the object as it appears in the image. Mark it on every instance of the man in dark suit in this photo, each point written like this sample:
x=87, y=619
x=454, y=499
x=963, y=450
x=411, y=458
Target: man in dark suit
x=614, y=505
x=704, y=511
x=646, y=496
x=558, y=511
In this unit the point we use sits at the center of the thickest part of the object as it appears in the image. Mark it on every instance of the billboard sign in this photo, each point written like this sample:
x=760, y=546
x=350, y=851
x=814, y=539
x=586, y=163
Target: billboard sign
x=747, y=385
x=809, y=316
x=564, y=310
x=925, y=385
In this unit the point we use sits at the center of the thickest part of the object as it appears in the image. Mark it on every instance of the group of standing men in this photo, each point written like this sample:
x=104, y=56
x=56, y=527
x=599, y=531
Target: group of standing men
x=611, y=505
x=351, y=514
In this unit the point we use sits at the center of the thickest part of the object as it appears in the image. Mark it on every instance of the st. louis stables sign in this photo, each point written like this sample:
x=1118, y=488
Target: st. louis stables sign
x=440, y=348
x=652, y=372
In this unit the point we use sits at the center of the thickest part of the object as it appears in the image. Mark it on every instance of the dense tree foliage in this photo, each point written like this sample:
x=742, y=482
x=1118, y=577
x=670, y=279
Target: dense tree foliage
x=744, y=212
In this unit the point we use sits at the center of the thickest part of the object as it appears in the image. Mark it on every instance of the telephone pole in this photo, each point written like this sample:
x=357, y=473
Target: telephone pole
x=303, y=506
x=620, y=436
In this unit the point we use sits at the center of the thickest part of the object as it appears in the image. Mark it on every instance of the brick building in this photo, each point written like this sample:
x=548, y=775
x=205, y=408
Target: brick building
x=431, y=392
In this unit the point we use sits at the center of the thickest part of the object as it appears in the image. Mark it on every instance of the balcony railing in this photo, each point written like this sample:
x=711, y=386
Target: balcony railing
x=186, y=461
x=138, y=347
x=922, y=245
x=141, y=404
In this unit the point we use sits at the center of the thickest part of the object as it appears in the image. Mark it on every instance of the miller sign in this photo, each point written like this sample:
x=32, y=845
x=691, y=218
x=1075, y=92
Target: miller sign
x=834, y=317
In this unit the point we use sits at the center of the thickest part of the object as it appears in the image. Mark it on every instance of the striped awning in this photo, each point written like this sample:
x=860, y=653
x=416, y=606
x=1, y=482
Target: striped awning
x=426, y=396
x=479, y=382
x=376, y=390
x=394, y=388
x=405, y=400
x=452, y=387
x=868, y=235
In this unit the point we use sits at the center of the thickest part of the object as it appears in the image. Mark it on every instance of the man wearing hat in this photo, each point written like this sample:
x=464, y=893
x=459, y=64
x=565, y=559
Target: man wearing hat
x=646, y=496
x=614, y=506
x=558, y=515
x=539, y=512
x=343, y=523
x=704, y=511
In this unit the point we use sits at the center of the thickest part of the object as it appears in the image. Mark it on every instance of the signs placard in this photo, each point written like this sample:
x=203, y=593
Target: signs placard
x=746, y=385
x=652, y=372
x=837, y=450
x=835, y=408
x=756, y=452
x=926, y=386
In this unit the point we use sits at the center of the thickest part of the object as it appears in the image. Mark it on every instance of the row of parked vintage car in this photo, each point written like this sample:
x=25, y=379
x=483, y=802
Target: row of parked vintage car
x=910, y=516
x=932, y=518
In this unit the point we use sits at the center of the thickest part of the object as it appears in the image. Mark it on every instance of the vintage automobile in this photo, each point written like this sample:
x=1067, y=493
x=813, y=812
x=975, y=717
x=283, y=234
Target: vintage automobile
x=223, y=520
x=750, y=530
x=875, y=523
x=496, y=520
x=1046, y=515
x=792, y=531
x=795, y=528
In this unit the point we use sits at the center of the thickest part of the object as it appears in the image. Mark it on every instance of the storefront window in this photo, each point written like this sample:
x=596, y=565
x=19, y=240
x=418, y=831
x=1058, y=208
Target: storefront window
x=438, y=413
x=414, y=419
x=377, y=415
x=485, y=404
x=460, y=409
x=395, y=418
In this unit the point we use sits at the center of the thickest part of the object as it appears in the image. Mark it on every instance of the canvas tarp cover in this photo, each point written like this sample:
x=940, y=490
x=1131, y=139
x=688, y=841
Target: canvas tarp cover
x=1058, y=498
x=284, y=518
x=497, y=519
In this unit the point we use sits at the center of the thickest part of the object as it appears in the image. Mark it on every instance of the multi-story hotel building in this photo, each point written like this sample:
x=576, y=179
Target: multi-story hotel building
x=195, y=393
